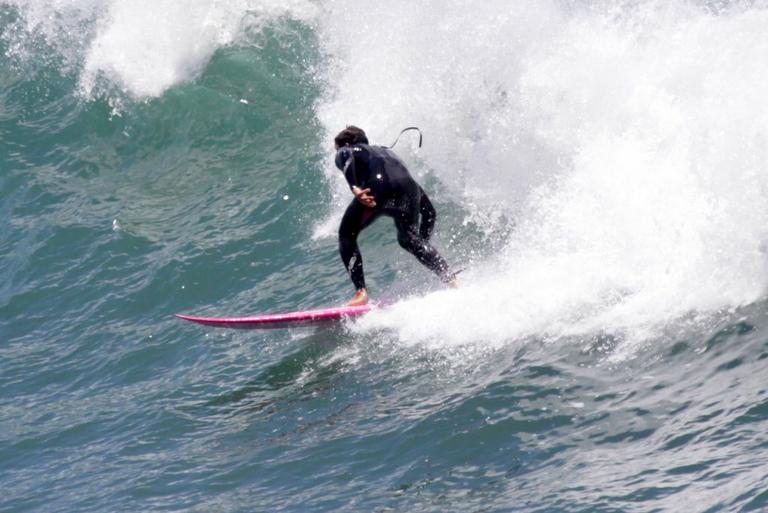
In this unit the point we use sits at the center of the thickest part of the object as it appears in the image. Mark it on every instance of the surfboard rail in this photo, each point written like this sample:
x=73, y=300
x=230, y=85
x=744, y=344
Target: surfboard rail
x=280, y=320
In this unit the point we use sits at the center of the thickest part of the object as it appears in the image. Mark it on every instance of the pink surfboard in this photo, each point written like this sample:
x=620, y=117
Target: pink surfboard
x=283, y=320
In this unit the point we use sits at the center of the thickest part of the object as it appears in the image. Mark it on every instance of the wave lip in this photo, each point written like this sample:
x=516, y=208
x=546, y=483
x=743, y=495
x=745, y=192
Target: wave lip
x=141, y=49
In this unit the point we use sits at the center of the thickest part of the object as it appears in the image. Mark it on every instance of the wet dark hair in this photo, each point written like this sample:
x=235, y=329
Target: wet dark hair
x=351, y=135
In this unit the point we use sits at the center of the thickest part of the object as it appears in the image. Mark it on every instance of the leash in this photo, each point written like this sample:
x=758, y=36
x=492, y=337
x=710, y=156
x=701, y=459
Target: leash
x=406, y=130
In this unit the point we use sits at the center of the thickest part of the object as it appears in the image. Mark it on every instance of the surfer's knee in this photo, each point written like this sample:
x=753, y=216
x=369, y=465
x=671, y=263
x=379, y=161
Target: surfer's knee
x=347, y=245
x=412, y=243
x=425, y=206
x=347, y=233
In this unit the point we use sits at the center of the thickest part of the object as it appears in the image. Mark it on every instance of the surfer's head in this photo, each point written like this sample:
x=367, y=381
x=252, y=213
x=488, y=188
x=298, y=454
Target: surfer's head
x=350, y=135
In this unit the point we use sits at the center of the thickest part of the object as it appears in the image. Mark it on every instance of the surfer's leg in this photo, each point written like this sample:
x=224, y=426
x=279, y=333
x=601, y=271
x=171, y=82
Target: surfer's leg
x=355, y=219
x=412, y=241
x=428, y=216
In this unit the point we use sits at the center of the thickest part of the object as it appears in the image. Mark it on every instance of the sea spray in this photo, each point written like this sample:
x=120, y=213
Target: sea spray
x=138, y=50
x=627, y=143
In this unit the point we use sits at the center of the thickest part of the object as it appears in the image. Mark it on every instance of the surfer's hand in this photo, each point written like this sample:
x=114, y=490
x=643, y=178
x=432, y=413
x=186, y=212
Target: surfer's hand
x=363, y=196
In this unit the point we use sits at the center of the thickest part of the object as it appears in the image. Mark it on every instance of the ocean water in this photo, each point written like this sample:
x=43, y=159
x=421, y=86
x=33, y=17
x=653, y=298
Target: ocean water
x=600, y=174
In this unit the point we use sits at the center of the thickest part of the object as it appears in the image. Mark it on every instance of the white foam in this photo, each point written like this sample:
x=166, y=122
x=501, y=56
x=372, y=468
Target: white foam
x=628, y=143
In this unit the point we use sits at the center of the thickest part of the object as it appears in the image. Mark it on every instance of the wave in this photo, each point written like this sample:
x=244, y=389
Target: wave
x=139, y=49
x=625, y=141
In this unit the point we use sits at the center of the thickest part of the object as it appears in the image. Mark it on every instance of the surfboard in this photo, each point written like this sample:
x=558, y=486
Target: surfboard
x=281, y=320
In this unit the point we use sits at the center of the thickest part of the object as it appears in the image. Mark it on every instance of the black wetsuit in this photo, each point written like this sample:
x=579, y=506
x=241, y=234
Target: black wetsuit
x=398, y=196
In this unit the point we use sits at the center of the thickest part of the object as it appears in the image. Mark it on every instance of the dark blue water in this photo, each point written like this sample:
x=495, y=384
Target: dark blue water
x=599, y=173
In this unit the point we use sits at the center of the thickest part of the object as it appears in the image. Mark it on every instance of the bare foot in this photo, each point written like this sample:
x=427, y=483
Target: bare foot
x=360, y=298
x=453, y=279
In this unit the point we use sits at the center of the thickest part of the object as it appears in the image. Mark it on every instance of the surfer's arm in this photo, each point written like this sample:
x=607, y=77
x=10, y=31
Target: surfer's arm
x=345, y=160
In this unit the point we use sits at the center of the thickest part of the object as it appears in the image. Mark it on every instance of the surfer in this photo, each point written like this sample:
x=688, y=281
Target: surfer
x=382, y=185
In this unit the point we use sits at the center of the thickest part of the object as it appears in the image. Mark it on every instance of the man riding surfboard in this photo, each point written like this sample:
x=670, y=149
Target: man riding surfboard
x=382, y=185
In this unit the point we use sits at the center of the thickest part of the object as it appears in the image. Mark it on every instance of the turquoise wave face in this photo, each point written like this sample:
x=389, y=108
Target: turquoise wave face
x=146, y=172
x=229, y=158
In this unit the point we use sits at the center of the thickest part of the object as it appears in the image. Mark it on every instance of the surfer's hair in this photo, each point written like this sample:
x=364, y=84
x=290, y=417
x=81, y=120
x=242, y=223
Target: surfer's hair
x=351, y=135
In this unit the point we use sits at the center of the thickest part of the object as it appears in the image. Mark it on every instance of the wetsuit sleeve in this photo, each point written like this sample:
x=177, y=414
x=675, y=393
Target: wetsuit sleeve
x=345, y=161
